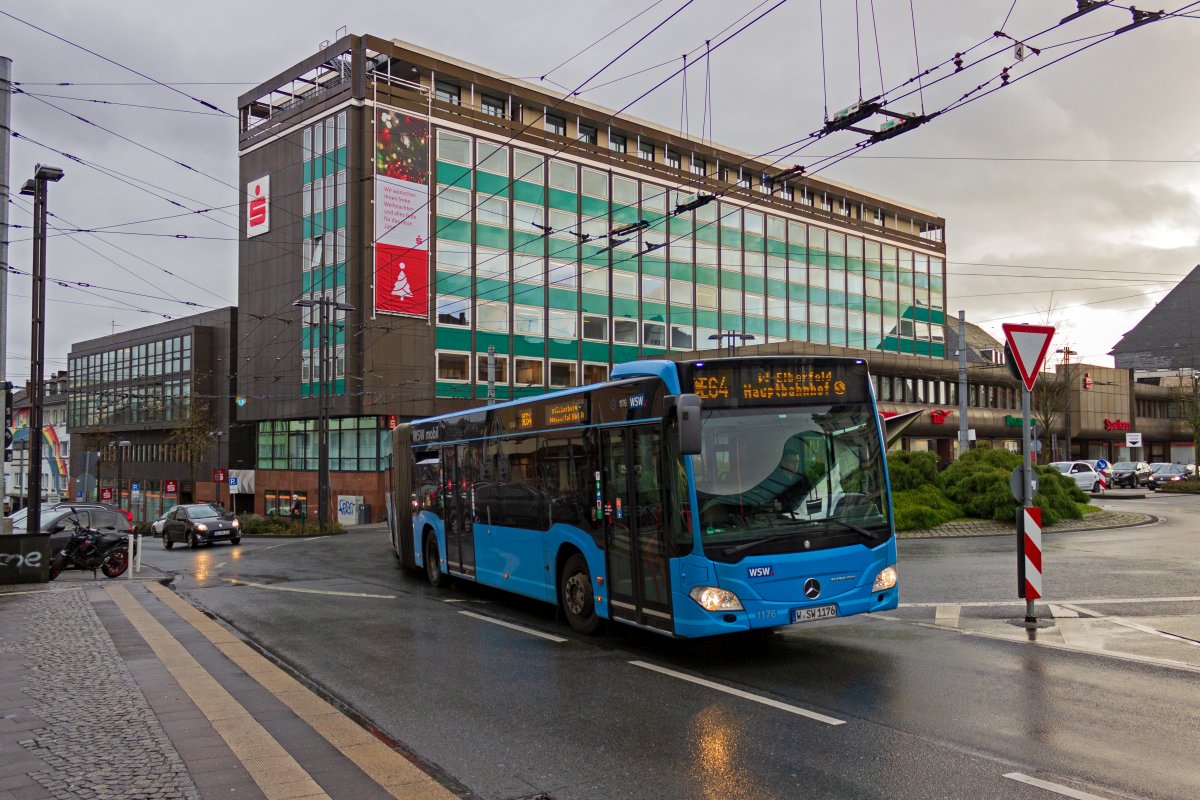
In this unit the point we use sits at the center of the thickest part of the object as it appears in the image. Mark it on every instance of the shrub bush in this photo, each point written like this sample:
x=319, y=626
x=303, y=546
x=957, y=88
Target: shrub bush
x=978, y=483
x=1180, y=487
x=1057, y=496
x=258, y=525
x=922, y=507
x=913, y=470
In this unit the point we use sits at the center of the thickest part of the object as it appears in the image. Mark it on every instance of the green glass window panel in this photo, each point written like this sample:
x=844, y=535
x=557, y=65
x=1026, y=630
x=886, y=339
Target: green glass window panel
x=624, y=216
x=679, y=271
x=776, y=329
x=529, y=346
x=563, y=348
x=816, y=257
x=527, y=192
x=936, y=284
x=731, y=322
x=624, y=307
x=593, y=207
x=623, y=353
x=754, y=242
x=453, y=389
x=873, y=305
x=731, y=280
x=529, y=243
x=329, y=164
x=306, y=175
x=560, y=250
x=491, y=236
x=595, y=303
x=594, y=351
x=818, y=334
x=837, y=261
x=340, y=157
x=798, y=332
x=651, y=352
x=491, y=289
x=937, y=317
x=331, y=219
x=707, y=233
x=836, y=298
x=776, y=248
x=855, y=339
x=565, y=299
x=488, y=184
x=837, y=336
x=854, y=264
x=564, y=201
x=797, y=253
x=625, y=264
x=339, y=216
x=654, y=220
x=454, y=175
x=706, y=319
x=306, y=282
x=756, y=326
x=707, y=275
x=526, y=295
x=937, y=349
x=308, y=337
x=756, y=285
x=454, y=283
x=596, y=254
x=855, y=302
x=906, y=278
x=654, y=312
x=453, y=338
x=816, y=296
x=776, y=288
x=339, y=275
x=456, y=230
x=485, y=339
x=908, y=346
x=680, y=226
x=528, y=391
x=680, y=315
x=306, y=390
x=306, y=228
x=730, y=238
x=891, y=308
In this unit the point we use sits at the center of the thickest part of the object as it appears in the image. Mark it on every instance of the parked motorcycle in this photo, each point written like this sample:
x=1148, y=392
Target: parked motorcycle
x=90, y=549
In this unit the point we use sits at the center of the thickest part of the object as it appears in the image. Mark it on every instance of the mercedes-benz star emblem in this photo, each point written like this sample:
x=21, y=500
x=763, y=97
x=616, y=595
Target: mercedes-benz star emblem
x=812, y=588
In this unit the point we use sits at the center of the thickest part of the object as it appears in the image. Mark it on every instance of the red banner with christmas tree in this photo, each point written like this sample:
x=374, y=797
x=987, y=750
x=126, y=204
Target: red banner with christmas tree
x=401, y=213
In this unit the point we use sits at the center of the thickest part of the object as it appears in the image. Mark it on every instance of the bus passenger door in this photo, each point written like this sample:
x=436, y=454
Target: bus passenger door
x=639, y=581
x=456, y=492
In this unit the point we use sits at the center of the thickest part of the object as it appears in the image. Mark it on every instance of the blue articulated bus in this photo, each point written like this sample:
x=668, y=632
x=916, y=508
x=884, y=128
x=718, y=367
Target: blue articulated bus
x=692, y=498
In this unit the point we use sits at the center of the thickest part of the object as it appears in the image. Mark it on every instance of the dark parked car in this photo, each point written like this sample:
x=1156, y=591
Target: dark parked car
x=200, y=523
x=1131, y=474
x=49, y=509
x=1170, y=473
x=59, y=521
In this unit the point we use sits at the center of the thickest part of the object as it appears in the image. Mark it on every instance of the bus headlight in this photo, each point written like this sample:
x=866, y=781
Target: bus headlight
x=711, y=598
x=886, y=579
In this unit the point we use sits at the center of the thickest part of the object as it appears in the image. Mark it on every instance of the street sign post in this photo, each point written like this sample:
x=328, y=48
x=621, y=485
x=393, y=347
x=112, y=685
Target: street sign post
x=1028, y=345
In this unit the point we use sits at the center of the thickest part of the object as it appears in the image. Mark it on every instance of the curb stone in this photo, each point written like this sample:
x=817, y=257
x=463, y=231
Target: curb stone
x=1103, y=520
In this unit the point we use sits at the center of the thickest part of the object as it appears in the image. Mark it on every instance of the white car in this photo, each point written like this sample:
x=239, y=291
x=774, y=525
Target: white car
x=1084, y=475
x=157, y=525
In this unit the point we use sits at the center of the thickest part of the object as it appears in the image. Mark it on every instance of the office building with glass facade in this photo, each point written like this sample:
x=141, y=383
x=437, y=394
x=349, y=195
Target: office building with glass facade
x=460, y=218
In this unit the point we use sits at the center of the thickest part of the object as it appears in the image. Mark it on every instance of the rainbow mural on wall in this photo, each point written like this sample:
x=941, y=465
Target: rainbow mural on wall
x=51, y=449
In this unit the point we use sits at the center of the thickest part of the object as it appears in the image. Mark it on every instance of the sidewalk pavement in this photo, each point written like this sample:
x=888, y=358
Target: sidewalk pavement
x=121, y=689
x=1101, y=520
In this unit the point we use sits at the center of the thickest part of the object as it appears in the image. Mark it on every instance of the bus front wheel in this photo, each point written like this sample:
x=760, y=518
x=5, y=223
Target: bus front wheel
x=433, y=571
x=575, y=589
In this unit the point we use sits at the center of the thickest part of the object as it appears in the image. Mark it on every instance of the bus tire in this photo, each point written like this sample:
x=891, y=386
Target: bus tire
x=433, y=570
x=575, y=595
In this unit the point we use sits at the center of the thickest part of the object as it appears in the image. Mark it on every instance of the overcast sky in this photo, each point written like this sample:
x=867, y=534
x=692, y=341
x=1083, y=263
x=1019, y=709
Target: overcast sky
x=1072, y=194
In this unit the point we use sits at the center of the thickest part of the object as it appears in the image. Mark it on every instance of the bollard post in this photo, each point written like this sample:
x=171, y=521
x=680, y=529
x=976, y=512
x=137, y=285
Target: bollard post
x=129, y=566
x=139, y=552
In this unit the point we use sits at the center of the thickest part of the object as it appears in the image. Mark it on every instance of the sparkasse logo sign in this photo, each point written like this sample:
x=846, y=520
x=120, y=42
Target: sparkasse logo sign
x=258, y=206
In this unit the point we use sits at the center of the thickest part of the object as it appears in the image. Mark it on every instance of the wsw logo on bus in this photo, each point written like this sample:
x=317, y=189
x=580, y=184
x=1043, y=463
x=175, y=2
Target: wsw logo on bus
x=760, y=572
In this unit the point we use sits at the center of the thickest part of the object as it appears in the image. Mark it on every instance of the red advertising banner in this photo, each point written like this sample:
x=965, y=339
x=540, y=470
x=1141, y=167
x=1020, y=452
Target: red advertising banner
x=106, y=493
x=170, y=487
x=401, y=213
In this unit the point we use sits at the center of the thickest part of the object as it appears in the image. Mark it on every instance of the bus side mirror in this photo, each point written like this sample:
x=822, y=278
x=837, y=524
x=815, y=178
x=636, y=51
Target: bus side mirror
x=687, y=417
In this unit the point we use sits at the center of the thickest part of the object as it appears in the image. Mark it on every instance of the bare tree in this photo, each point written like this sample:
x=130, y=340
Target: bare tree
x=194, y=437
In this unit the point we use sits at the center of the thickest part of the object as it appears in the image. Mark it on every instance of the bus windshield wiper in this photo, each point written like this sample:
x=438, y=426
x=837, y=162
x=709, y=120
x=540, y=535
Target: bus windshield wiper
x=851, y=526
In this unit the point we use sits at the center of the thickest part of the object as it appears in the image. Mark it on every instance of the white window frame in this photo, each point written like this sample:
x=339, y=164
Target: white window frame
x=438, y=366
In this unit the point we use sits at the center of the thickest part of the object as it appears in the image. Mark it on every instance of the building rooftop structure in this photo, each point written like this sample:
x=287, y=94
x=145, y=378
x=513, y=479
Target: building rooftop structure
x=1168, y=337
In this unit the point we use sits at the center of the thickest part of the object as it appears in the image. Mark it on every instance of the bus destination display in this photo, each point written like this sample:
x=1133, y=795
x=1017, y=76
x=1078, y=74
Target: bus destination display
x=755, y=385
x=566, y=412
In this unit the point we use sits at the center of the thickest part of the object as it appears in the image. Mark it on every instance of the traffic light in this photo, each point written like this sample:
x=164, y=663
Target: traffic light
x=8, y=420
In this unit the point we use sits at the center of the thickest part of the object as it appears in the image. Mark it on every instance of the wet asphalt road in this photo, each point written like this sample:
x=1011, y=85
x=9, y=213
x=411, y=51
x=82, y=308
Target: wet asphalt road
x=855, y=708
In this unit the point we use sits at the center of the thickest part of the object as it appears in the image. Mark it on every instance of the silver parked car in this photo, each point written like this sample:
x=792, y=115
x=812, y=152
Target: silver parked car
x=1083, y=473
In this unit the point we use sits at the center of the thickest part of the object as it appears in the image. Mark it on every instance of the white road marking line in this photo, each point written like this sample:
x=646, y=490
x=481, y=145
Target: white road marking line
x=1134, y=625
x=1065, y=791
x=218, y=566
x=947, y=616
x=1087, y=651
x=299, y=590
x=1092, y=600
x=502, y=623
x=803, y=712
x=1062, y=611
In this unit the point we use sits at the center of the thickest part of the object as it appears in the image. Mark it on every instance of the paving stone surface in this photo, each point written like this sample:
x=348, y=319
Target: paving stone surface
x=1101, y=520
x=83, y=716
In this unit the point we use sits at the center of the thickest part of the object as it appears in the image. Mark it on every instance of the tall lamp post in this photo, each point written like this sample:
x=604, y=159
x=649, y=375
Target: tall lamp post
x=729, y=337
x=325, y=304
x=36, y=187
x=121, y=445
x=218, y=435
x=1067, y=352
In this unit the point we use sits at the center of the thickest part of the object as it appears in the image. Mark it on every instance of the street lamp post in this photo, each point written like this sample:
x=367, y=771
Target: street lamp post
x=324, y=304
x=1067, y=352
x=36, y=187
x=730, y=336
x=121, y=445
x=218, y=435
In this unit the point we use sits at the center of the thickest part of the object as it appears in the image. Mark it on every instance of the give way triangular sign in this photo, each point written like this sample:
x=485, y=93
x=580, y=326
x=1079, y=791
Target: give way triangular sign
x=1028, y=344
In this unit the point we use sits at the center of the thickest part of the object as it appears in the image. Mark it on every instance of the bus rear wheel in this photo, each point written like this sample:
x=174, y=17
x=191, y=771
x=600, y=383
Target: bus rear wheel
x=433, y=570
x=575, y=592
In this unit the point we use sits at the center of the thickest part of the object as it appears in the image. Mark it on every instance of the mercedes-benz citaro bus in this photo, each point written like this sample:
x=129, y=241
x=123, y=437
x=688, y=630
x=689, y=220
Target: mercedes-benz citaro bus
x=693, y=498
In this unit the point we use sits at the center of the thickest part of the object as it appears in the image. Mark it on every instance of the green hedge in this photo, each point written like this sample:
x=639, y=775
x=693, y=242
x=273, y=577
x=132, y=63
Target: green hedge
x=1181, y=487
x=258, y=525
x=923, y=507
x=913, y=470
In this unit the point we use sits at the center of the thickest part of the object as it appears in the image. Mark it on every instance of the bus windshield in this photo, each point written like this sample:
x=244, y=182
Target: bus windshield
x=790, y=479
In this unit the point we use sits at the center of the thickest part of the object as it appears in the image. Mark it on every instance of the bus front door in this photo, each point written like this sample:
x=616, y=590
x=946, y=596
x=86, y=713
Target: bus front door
x=459, y=478
x=639, y=579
